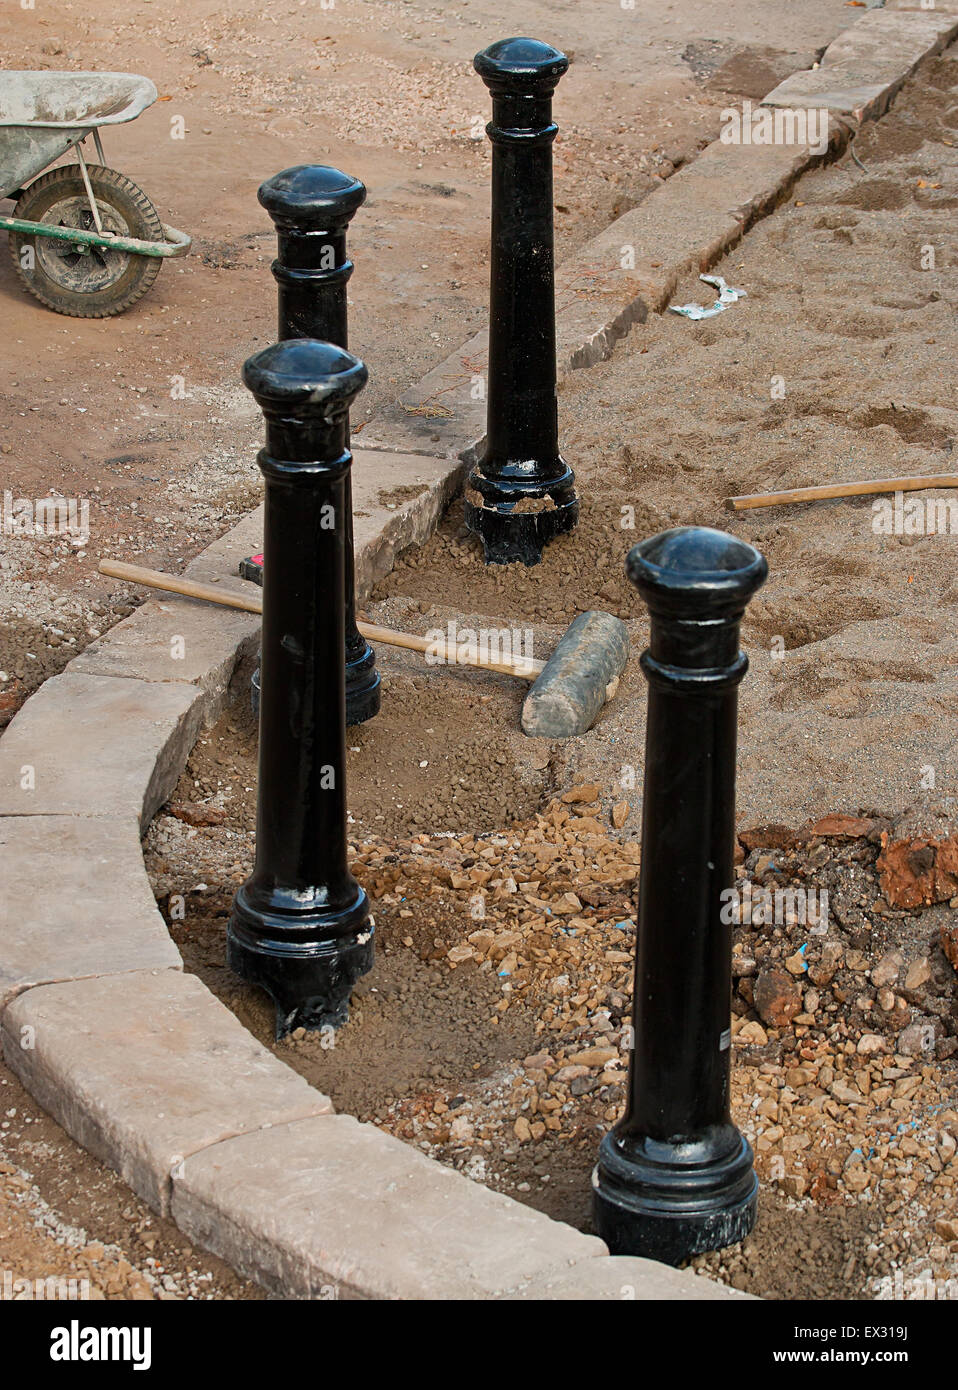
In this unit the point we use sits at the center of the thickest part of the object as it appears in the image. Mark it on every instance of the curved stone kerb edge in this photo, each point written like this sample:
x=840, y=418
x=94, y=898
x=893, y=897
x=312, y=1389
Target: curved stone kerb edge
x=151, y=1073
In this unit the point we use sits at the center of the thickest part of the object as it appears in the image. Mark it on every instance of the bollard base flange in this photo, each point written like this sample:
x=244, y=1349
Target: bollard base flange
x=308, y=975
x=362, y=702
x=669, y=1202
x=508, y=534
x=363, y=686
x=516, y=513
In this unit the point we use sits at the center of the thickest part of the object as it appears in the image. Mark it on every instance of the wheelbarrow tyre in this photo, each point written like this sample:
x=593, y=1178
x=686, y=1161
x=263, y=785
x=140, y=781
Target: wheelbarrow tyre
x=123, y=202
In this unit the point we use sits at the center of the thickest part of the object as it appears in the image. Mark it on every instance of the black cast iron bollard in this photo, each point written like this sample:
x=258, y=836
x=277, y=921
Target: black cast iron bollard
x=675, y=1176
x=520, y=494
x=300, y=926
x=311, y=206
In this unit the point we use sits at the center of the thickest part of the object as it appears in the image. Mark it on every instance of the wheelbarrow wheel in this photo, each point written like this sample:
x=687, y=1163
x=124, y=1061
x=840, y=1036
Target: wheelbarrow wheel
x=87, y=282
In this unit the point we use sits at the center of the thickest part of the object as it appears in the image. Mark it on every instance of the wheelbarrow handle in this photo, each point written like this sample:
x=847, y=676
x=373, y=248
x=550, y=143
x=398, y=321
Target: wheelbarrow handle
x=176, y=244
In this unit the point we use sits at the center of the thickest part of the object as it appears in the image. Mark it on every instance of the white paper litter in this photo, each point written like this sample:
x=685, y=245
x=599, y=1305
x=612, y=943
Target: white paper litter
x=727, y=295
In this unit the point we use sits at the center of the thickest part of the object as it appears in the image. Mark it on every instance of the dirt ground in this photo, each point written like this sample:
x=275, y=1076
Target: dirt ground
x=143, y=415
x=850, y=696
x=837, y=305
x=491, y=1029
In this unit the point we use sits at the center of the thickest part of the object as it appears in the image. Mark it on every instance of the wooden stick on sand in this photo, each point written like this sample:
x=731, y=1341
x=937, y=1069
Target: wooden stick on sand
x=863, y=489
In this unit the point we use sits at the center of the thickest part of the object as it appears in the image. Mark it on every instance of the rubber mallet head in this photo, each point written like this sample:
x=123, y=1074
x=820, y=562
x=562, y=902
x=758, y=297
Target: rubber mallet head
x=575, y=682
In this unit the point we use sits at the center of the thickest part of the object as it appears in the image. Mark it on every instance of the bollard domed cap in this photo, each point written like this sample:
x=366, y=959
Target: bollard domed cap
x=520, y=66
x=304, y=377
x=311, y=196
x=695, y=571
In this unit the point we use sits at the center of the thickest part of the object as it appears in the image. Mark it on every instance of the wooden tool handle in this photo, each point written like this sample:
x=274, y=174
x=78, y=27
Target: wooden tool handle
x=524, y=667
x=179, y=584
x=826, y=490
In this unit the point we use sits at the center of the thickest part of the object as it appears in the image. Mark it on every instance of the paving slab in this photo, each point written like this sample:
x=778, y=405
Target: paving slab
x=885, y=38
x=332, y=1203
x=218, y=563
x=93, y=745
x=145, y=1069
x=599, y=300
x=397, y=502
x=444, y=413
x=863, y=69
x=75, y=901
x=175, y=639
x=690, y=221
x=626, y=1279
x=398, y=497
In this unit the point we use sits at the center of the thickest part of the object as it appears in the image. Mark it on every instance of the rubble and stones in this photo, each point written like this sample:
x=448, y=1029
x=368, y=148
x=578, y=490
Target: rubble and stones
x=845, y=1075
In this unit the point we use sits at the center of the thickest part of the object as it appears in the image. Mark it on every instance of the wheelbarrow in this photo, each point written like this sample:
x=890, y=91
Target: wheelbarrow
x=84, y=239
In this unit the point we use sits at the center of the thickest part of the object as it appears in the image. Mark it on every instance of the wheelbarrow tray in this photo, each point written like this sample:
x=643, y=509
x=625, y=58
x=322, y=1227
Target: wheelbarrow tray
x=43, y=113
x=73, y=99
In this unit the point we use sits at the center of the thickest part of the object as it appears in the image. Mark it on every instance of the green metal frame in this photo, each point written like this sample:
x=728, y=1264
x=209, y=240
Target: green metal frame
x=176, y=243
